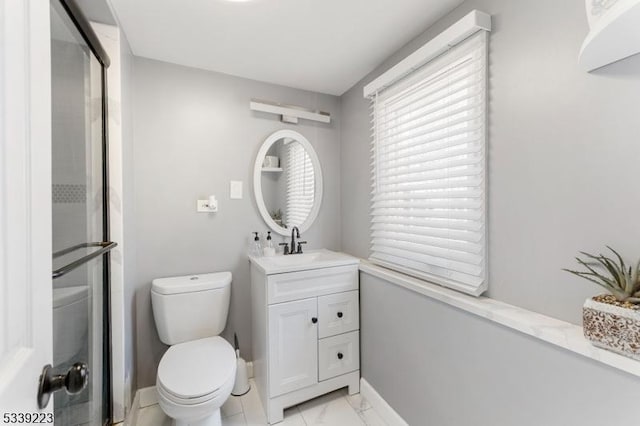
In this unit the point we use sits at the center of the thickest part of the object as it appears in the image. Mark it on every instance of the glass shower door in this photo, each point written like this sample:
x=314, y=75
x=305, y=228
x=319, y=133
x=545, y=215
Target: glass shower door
x=80, y=257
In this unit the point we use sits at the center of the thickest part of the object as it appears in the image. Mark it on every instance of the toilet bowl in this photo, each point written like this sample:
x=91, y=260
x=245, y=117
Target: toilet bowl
x=197, y=373
x=195, y=379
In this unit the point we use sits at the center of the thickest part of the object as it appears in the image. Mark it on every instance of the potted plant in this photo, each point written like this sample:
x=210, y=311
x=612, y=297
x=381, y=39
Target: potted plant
x=612, y=321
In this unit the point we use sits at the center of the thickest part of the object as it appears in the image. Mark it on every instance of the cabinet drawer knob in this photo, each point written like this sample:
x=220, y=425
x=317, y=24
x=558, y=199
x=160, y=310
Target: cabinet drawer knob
x=314, y=320
x=340, y=356
x=339, y=314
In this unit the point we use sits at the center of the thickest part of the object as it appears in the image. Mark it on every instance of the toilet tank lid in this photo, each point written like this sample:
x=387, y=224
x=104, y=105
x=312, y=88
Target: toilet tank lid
x=191, y=283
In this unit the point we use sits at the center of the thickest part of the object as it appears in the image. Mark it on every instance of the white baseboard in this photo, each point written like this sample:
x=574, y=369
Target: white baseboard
x=144, y=398
x=381, y=407
x=250, y=369
x=131, y=417
x=148, y=396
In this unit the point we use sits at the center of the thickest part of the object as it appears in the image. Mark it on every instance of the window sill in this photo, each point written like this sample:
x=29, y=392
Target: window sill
x=559, y=333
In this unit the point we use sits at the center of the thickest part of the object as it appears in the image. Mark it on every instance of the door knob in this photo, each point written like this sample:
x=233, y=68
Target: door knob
x=339, y=314
x=340, y=356
x=73, y=382
x=314, y=320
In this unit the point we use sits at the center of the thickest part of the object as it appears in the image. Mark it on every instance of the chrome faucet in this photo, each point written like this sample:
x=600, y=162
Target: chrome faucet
x=295, y=233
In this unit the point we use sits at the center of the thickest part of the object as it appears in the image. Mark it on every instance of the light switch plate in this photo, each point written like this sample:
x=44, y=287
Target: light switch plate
x=235, y=190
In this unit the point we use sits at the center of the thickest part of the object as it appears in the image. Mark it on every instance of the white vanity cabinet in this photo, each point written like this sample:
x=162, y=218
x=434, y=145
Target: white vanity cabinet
x=306, y=339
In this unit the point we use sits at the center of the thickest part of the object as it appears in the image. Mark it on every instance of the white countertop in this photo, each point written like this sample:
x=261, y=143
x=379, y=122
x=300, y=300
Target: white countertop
x=312, y=259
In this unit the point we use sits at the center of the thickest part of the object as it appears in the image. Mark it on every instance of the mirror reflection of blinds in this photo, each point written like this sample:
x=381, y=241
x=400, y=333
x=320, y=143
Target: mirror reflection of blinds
x=300, y=184
x=429, y=170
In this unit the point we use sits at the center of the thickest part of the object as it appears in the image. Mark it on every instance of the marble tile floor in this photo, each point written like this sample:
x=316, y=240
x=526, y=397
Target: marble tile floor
x=334, y=409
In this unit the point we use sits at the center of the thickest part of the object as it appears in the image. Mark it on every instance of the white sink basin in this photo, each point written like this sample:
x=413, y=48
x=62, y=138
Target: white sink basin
x=295, y=259
x=313, y=259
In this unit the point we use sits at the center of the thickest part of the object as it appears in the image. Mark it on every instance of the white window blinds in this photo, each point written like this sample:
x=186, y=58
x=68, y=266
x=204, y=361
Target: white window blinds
x=429, y=170
x=300, y=184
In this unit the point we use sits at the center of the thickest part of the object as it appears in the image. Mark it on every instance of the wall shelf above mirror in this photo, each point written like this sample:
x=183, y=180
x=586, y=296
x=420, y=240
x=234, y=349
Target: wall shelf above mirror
x=289, y=195
x=289, y=113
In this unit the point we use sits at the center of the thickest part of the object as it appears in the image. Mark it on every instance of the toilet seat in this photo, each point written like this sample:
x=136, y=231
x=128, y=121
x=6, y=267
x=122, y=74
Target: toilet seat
x=182, y=401
x=197, y=371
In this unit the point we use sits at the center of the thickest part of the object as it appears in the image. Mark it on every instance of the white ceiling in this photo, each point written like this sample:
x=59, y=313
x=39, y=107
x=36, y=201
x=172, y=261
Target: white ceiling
x=324, y=46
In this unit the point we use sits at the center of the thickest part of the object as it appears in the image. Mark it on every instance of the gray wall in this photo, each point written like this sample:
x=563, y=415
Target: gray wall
x=193, y=133
x=437, y=365
x=563, y=151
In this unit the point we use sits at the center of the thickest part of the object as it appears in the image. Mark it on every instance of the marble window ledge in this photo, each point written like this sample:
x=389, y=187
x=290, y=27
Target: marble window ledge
x=560, y=333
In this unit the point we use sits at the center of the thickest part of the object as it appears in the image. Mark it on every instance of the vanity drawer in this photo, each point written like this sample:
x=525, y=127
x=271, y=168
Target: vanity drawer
x=338, y=355
x=338, y=313
x=315, y=282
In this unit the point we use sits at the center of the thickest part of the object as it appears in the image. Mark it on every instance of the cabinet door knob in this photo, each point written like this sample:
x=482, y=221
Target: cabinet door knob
x=314, y=320
x=340, y=356
x=339, y=314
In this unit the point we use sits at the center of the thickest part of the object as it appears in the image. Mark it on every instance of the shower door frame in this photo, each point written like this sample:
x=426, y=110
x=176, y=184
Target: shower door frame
x=86, y=31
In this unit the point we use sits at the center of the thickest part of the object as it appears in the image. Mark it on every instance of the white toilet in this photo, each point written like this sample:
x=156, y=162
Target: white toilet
x=197, y=373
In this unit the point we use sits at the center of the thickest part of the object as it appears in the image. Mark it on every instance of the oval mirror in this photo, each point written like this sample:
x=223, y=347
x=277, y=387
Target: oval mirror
x=287, y=182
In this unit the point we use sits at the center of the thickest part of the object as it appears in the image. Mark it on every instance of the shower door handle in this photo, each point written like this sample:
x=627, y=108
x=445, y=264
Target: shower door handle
x=73, y=382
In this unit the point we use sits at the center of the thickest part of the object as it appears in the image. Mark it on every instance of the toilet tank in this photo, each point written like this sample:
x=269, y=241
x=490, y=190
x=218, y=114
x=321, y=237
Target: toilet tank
x=190, y=307
x=70, y=322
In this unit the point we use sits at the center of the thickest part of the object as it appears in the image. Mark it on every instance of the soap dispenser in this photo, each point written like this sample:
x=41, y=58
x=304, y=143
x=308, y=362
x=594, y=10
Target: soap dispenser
x=255, y=248
x=269, y=249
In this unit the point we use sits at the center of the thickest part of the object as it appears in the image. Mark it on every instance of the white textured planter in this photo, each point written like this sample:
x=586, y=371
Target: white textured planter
x=612, y=327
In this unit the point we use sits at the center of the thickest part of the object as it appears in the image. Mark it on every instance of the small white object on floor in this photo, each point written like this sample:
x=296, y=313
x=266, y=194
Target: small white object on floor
x=241, y=385
x=335, y=408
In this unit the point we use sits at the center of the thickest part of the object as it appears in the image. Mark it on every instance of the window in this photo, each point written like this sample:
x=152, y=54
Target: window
x=429, y=170
x=300, y=184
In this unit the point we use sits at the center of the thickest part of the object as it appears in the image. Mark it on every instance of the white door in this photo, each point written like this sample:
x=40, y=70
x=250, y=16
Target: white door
x=293, y=346
x=25, y=204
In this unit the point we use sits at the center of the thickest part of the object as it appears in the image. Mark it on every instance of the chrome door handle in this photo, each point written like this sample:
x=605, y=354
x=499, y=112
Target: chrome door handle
x=73, y=382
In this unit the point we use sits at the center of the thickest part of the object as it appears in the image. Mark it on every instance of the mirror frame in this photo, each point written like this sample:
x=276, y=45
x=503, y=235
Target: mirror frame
x=257, y=180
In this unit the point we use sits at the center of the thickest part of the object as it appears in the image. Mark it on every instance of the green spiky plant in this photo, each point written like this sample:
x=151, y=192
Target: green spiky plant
x=621, y=281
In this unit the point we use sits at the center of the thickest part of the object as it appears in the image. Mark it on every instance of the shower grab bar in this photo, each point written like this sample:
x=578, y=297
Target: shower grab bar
x=105, y=246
